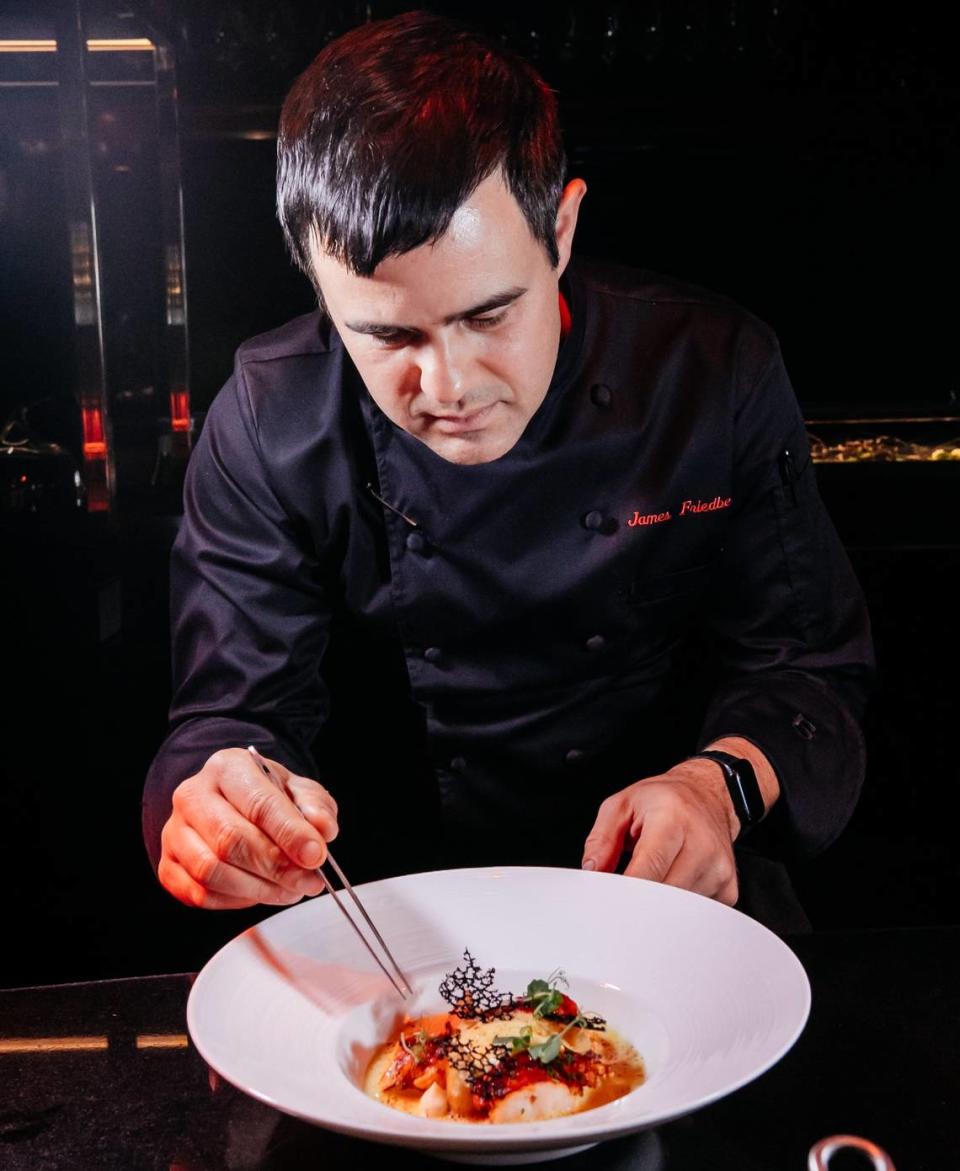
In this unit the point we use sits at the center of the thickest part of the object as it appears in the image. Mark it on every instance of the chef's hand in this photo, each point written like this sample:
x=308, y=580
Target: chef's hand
x=235, y=838
x=679, y=827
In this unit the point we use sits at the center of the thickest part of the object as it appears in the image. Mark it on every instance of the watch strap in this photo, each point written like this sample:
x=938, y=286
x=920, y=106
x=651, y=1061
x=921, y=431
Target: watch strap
x=741, y=784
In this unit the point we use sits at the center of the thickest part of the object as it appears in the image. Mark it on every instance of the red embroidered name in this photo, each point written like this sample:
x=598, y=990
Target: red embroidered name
x=649, y=518
x=690, y=506
x=713, y=505
x=687, y=508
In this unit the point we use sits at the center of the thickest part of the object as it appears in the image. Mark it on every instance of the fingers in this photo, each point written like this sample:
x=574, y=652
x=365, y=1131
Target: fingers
x=677, y=835
x=316, y=805
x=236, y=838
x=271, y=810
x=660, y=843
x=705, y=872
x=605, y=842
x=686, y=855
x=194, y=874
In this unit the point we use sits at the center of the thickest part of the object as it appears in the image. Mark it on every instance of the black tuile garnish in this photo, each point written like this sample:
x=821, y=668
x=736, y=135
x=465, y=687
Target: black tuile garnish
x=471, y=995
x=480, y=1066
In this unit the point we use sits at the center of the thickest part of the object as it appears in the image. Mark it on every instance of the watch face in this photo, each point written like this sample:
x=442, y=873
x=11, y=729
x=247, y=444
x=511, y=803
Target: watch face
x=745, y=792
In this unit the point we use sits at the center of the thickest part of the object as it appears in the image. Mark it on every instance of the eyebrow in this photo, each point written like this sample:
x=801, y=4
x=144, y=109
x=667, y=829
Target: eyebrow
x=497, y=301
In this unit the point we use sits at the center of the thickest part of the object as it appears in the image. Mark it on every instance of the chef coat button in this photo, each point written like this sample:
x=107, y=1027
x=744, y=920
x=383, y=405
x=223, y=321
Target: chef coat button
x=416, y=542
x=596, y=642
x=458, y=765
x=574, y=756
x=433, y=654
x=601, y=395
x=593, y=520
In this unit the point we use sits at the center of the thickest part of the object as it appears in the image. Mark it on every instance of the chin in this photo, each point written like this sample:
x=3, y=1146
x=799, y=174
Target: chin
x=465, y=449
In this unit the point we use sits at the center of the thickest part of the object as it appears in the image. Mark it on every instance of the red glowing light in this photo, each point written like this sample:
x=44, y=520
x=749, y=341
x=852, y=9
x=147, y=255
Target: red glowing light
x=179, y=410
x=94, y=440
x=566, y=318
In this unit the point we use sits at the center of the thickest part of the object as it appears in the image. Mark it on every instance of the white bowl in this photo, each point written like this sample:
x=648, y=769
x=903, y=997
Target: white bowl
x=291, y=1010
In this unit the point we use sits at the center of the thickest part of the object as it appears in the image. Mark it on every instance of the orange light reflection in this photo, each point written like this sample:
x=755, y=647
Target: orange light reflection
x=94, y=45
x=53, y=1044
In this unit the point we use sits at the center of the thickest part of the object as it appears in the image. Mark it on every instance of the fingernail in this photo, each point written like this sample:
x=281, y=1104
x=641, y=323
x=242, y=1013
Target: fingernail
x=310, y=855
x=588, y=864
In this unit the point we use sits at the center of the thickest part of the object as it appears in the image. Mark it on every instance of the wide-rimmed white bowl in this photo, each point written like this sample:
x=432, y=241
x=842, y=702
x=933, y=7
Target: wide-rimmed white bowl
x=291, y=1010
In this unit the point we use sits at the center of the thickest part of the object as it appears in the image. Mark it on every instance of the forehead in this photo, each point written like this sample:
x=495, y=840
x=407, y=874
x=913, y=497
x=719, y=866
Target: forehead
x=487, y=247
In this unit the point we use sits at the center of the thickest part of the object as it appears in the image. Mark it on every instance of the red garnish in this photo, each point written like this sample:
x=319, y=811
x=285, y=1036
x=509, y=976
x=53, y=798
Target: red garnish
x=566, y=1010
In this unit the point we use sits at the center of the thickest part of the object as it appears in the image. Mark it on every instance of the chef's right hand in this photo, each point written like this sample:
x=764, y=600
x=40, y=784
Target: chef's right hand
x=235, y=838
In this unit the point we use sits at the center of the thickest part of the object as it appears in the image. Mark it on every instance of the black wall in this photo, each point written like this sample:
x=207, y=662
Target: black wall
x=800, y=157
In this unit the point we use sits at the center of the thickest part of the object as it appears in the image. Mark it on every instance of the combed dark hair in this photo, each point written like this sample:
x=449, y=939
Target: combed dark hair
x=394, y=125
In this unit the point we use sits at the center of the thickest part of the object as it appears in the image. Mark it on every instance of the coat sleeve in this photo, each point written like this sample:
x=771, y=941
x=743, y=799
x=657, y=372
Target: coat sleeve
x=790, y=626
x=249, y=615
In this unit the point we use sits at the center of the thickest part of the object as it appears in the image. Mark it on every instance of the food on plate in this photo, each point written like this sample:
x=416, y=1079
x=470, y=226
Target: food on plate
x=497, y=1057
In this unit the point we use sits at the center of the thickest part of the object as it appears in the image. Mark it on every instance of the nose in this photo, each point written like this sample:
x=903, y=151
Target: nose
x=442, y=368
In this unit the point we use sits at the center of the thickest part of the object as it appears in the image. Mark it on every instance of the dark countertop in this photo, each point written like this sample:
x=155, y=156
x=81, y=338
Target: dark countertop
x=101, y=1076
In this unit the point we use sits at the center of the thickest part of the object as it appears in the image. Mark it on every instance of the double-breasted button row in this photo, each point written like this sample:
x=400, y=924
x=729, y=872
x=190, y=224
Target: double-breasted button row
x=416, y=542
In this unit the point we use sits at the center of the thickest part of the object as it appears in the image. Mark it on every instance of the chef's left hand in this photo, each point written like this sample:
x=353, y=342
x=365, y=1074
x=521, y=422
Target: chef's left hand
x=679, y=827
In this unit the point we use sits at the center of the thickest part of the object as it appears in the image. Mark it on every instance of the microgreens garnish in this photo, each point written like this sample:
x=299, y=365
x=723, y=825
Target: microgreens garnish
x=542, y=1051
x=545, y=998
x=416, y=1050
x=546, y=1001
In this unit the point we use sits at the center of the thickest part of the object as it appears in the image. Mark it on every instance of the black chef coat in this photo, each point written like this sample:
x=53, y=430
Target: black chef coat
x=472, y=657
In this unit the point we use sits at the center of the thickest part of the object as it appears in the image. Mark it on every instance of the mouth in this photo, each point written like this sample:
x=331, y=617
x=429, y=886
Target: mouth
x=461, y=424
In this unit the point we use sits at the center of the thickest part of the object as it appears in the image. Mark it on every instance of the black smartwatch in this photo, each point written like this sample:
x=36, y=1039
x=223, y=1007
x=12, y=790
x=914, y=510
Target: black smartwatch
x=741, y=785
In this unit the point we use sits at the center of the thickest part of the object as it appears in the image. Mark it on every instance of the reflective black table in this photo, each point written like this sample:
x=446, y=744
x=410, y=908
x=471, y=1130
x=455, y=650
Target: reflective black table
x=101, y=1076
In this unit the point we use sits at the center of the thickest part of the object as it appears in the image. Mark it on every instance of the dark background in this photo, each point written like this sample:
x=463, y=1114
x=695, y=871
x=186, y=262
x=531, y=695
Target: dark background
x=800, y=157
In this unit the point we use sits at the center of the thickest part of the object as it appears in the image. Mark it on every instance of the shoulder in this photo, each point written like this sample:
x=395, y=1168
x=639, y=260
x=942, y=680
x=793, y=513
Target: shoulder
x=619, y=282
x=677, y=309
x=285, y=381
x=304, y=336
x=297, y=369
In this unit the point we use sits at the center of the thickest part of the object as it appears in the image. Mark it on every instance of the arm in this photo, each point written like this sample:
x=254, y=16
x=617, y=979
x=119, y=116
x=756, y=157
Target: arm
x=249, y=630
x=791, y=635
x=790, y=629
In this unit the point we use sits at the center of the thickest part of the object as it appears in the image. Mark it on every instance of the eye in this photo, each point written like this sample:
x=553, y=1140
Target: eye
x=488, y=321
x=391, y=339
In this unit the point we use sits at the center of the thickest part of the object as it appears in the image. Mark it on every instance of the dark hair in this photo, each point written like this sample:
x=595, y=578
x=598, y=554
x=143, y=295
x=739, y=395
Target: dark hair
x=394, y=125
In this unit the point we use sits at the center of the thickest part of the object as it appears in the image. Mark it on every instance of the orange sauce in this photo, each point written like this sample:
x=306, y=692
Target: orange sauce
x=424, y=1072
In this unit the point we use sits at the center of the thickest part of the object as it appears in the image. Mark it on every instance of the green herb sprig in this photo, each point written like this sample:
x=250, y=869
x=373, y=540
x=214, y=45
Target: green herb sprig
x=545, y=998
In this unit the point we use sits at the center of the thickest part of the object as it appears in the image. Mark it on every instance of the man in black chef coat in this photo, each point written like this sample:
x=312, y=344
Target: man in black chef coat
x=494, y=544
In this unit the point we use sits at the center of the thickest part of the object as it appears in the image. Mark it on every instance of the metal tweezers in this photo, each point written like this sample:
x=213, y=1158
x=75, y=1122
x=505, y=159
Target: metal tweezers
x=403, y=988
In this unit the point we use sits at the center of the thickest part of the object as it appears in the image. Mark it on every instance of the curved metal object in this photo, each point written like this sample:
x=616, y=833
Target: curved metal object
x=822, y=1152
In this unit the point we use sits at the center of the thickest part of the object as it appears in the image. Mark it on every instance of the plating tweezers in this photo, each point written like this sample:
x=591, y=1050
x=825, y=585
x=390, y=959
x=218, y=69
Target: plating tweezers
x=403, y=988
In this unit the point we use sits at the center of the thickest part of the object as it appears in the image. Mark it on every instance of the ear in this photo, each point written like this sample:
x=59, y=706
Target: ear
x=567, y=214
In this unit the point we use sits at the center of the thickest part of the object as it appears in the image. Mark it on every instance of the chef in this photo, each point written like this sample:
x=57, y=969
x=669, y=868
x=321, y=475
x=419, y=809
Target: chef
x=497, y=556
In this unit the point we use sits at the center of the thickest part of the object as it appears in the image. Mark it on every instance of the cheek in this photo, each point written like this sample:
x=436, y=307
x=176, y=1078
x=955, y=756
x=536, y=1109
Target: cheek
x=385, y=379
